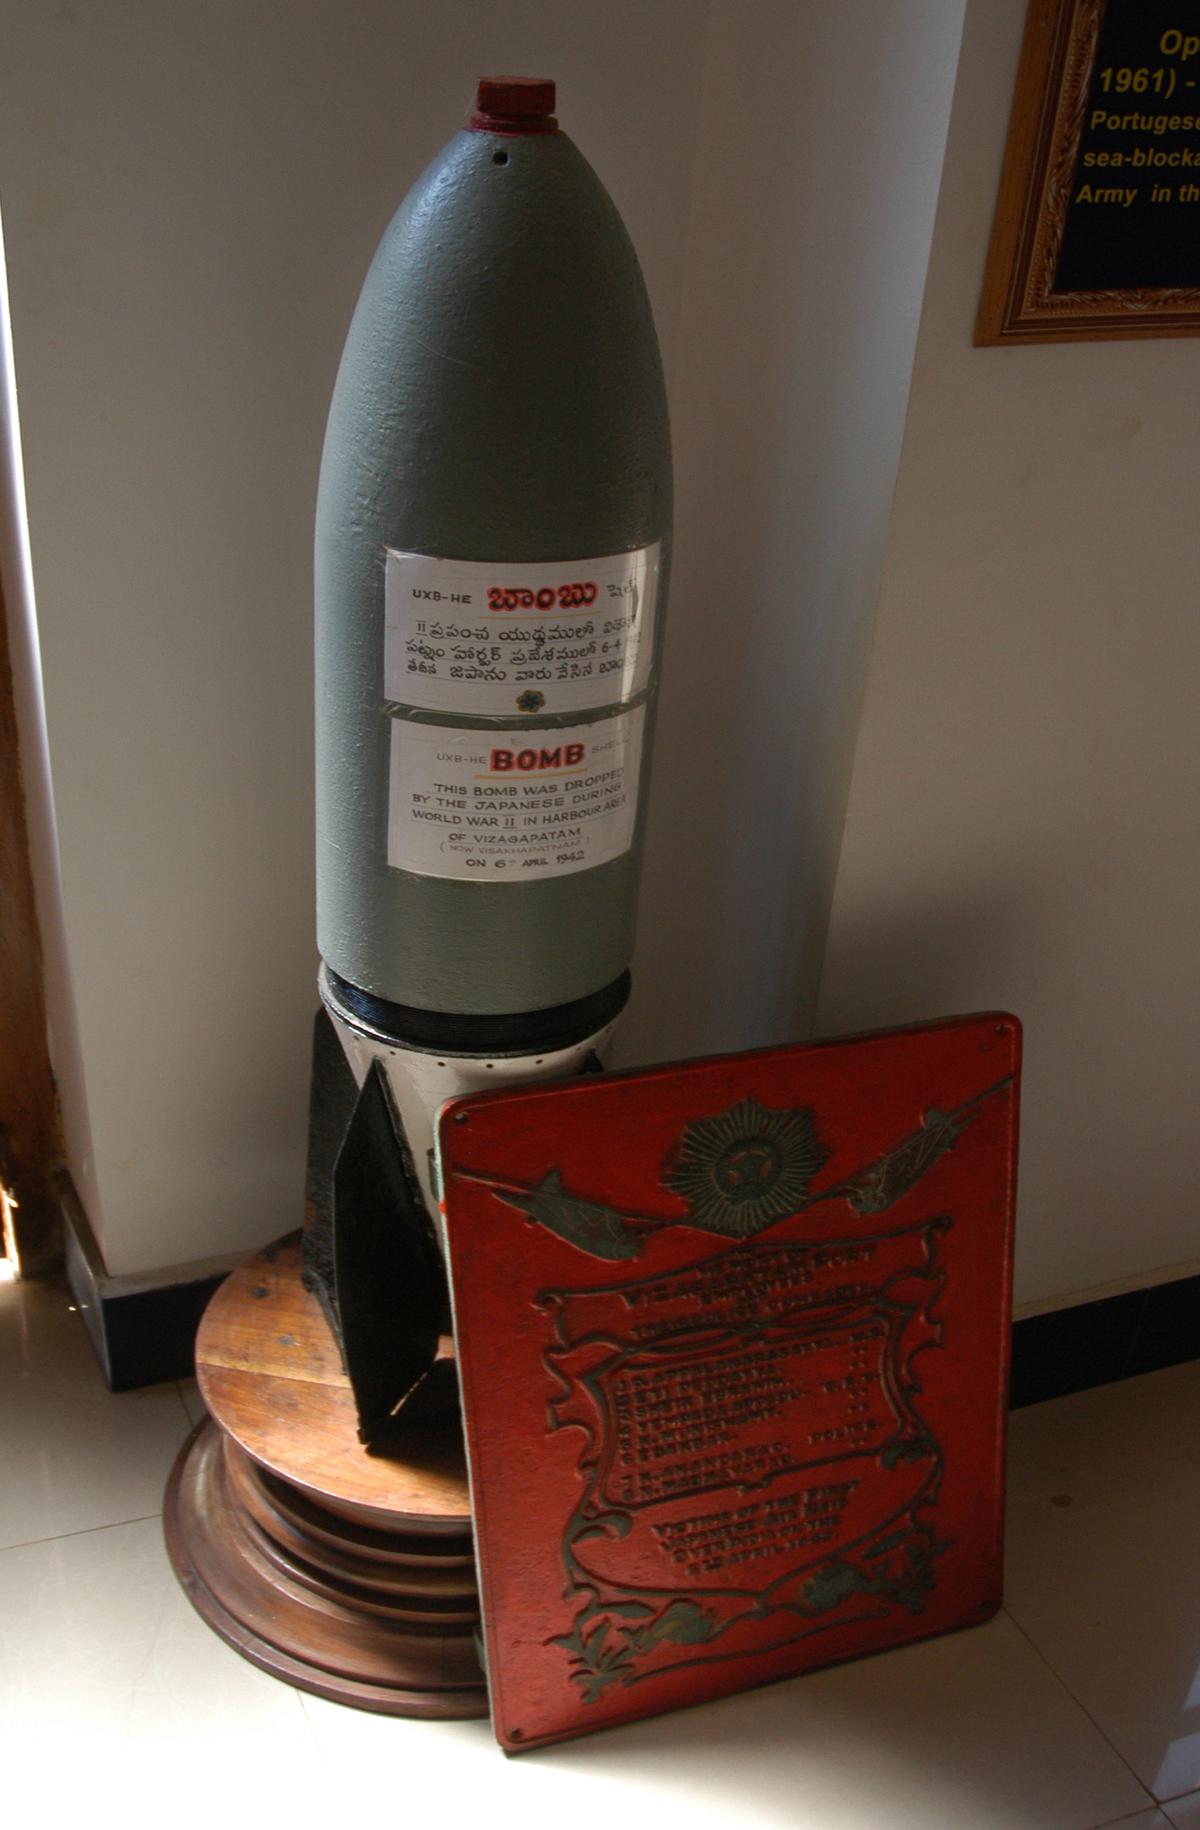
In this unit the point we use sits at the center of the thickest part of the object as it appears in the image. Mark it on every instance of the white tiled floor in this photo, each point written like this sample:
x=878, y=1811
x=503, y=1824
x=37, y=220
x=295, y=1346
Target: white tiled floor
x=1078, y=1706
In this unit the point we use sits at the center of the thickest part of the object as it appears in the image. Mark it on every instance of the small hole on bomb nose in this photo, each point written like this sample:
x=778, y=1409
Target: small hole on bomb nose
x=500, y=158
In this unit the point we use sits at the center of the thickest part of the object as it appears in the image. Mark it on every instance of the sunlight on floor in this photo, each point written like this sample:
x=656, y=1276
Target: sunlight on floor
x=10, y=1261
x=1074, y=1708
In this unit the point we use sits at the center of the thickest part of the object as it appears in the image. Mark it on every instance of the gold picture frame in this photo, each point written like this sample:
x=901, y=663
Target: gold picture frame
x=1020, y=302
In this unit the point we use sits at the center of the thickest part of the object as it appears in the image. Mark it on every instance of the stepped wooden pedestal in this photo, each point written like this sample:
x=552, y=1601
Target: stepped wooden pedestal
x=344, y=1573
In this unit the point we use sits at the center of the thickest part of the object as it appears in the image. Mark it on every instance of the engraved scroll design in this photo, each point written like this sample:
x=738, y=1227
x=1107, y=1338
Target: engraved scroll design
x=625, y=1632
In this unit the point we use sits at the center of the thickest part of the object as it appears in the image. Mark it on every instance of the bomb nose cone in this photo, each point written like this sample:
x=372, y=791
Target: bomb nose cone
x=514, y=104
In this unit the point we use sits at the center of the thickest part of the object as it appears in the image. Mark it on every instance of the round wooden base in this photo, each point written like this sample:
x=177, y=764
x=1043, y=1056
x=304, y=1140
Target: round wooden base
x=344, y=1573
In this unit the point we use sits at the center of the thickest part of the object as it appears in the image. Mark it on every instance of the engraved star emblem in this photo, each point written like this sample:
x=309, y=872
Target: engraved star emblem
x=746, y=1168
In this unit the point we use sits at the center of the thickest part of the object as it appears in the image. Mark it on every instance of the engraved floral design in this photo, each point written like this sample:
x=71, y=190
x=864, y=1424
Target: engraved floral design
x=603, y=1652
x=610, y=1639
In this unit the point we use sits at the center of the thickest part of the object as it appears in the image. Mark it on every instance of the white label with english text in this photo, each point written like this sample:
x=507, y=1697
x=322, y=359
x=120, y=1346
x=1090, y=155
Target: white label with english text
x=499, y=640
x=505, y=806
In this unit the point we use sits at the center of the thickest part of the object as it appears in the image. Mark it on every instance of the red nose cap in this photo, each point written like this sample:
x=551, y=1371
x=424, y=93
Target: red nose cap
x=514, y=104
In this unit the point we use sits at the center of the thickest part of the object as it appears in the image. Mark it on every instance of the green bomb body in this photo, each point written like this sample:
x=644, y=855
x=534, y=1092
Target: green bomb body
x=492, y=542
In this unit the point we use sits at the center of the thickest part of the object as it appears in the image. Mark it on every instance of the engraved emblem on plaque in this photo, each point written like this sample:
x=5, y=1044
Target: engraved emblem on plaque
x=754, y=1313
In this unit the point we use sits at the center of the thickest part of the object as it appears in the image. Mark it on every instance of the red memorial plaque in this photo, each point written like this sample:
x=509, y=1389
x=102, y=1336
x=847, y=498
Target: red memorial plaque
x=733, y=1341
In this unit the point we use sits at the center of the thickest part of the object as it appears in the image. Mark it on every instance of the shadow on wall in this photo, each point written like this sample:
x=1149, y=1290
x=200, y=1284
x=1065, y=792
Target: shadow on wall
x=904, y=962
x=807, y=252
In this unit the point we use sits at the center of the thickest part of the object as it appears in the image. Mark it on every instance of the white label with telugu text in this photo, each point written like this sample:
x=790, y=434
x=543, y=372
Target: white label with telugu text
x=505, y=806
x=504, y=639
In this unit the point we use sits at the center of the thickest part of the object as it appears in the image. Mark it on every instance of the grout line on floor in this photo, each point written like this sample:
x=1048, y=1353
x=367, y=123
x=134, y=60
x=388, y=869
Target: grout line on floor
x=1130, y=1817
x=84, y=1531
x=1151, y=1801
x=178, y=1385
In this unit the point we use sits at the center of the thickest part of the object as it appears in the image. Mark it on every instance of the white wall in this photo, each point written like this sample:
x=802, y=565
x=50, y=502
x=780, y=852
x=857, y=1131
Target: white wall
x=1022, y=823
x=823, y=129
x=192, y=196
x=36, y=782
